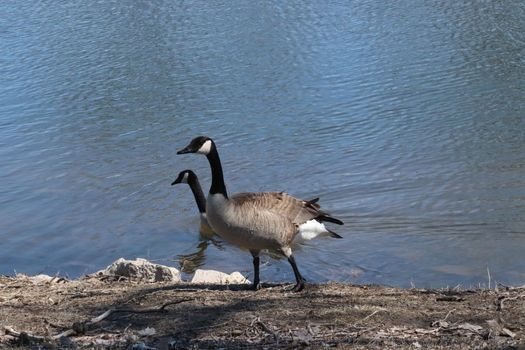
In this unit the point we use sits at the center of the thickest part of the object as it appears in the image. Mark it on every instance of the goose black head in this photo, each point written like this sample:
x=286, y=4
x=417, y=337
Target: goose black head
x=201, y=144
x=184, y=177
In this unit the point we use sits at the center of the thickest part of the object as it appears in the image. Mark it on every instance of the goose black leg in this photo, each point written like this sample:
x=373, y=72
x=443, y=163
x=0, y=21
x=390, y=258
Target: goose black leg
x=299, y=286
x=256, y=282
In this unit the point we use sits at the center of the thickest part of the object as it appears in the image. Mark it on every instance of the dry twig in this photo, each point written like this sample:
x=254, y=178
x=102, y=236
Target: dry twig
x=83, y=327
x=367, y=317
x=503, y=298
x=25, y=338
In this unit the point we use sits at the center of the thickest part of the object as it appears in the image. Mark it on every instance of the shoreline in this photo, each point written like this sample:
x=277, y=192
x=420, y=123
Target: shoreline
x=112, y=311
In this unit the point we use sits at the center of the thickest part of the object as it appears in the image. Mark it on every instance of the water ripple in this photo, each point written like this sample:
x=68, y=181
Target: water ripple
x=406, y=119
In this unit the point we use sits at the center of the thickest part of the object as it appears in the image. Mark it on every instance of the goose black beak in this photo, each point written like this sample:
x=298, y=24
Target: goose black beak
x=175, y=182
x=184, y=151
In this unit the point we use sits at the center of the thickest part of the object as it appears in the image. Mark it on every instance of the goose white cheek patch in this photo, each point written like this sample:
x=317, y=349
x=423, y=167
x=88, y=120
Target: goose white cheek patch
x=205, y=148
x=185, y=178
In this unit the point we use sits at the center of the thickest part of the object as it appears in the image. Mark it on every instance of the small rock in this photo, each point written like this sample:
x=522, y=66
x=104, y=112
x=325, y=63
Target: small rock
x=470, y=327
x=38, y=279
x=147, y=331
x=141, y=269
x=131, y=338
x=217, y=277
x=42, y=279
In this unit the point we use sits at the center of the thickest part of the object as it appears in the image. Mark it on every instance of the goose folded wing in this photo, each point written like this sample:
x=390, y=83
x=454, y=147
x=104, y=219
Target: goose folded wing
x=296, y=210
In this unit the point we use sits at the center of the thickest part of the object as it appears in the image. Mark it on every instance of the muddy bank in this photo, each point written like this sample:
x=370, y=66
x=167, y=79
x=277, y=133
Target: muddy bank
x=98, y=311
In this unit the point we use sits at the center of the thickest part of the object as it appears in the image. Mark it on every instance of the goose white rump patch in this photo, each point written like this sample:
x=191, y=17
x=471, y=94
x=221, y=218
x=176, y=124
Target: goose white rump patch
x=310, y=230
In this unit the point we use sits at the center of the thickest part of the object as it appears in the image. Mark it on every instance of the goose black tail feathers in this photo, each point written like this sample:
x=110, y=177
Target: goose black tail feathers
x=334, y=235
x=312, y=203
x=326, y=217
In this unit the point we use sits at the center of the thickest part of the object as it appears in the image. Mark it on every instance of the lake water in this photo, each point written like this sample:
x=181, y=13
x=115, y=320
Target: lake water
x=406, y=118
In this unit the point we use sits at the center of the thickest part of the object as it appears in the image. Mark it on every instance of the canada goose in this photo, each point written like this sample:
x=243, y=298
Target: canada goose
x=190, y=178
x=261, y=220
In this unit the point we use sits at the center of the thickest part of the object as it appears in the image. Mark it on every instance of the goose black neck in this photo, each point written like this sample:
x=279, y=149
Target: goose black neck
x=217, y=178
x=197, y=193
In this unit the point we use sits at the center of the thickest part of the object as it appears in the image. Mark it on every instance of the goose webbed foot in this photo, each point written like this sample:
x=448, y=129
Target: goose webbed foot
x=256, y=286
x=298, y=287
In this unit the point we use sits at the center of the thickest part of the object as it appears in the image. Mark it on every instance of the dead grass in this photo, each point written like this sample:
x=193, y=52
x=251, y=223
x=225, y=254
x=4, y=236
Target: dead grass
x=122, y=314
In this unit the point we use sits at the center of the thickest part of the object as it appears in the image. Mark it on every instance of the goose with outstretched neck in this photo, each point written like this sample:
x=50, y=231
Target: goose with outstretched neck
x=259, y=220
x=190, y=178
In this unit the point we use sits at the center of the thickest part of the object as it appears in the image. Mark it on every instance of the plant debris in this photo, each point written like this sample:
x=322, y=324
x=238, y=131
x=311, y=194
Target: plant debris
x=111, y=313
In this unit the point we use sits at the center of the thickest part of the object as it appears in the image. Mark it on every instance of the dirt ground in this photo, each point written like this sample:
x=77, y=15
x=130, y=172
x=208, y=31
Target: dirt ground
x=102, y=313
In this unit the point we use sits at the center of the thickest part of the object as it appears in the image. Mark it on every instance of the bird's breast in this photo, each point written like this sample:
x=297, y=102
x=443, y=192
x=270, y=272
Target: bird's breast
x=238, y=226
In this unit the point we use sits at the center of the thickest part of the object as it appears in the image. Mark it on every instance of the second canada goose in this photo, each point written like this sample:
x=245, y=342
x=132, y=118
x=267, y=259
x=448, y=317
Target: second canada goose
x=190, y=178
x=258, y=220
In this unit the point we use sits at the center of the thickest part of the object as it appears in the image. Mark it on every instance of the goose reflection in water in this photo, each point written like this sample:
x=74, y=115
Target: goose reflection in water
x=188, y=263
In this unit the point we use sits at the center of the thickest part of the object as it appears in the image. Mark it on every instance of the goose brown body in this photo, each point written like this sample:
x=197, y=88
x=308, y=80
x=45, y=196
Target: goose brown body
x=260, y=220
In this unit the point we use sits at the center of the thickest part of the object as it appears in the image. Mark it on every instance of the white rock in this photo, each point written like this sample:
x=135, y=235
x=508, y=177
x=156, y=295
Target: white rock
x=39, y=279
x=142, y=269
x=217, y=277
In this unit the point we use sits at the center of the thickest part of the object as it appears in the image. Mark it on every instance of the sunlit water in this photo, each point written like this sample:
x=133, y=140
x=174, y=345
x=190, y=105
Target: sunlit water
x=406, y=118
